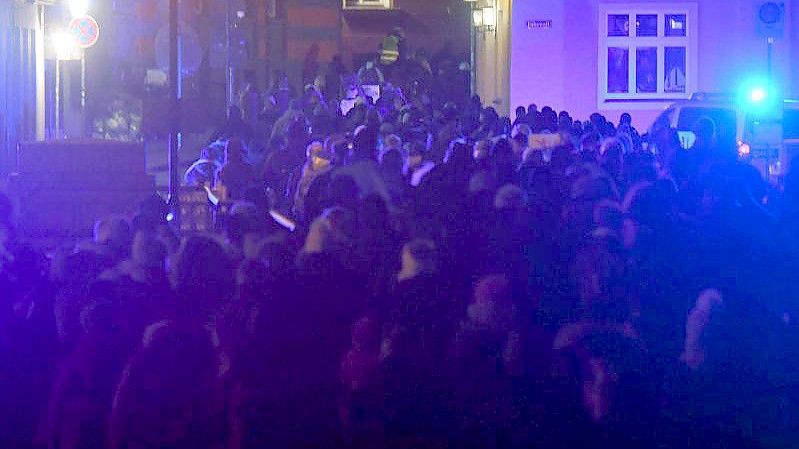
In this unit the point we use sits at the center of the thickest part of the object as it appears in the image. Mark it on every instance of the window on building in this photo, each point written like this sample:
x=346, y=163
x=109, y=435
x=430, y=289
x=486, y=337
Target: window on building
x=647, y=53
x=367, y=4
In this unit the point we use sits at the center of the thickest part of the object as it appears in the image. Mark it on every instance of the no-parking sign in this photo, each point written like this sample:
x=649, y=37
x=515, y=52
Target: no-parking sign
x=85, y=30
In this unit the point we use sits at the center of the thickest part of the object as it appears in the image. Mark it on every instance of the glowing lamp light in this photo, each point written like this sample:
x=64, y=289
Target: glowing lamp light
x=758, y=94
x=79, y=8
x=744, y=149
x=64, y=45
x=477, y=18
x=489, y=16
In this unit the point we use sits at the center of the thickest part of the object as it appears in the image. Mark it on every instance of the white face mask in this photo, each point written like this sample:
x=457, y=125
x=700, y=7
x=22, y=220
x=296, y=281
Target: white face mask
x=370, y=64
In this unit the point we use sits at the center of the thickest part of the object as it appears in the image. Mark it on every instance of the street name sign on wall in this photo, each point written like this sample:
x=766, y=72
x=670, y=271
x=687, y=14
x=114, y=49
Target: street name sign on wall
x=539, y=24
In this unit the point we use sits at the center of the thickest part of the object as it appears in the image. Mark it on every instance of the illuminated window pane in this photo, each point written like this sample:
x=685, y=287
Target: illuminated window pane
x=618, y=25
x=618, y=70
x=646, y=70
x=676, y=25
x=646, y=25
x=675, y=69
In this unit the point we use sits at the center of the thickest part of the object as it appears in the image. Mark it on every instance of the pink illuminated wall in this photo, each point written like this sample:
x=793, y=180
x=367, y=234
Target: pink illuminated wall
x=557, y=66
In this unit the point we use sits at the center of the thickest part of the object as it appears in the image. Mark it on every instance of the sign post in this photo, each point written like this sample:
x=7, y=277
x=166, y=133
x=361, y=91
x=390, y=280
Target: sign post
x=86, y=32
x=174, y=112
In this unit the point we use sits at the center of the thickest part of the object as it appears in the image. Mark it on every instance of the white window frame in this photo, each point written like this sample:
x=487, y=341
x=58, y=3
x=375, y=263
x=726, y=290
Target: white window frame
x=365, y=4
x=633, y=99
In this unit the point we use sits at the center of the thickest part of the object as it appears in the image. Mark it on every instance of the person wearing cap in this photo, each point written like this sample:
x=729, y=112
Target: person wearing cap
x=318, y=162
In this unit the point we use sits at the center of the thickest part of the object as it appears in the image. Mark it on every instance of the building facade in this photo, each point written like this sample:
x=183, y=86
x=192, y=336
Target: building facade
x=226, y=43
x=428, y=25
x=21, y=77
x=491, y=43
x=265, y=37
x=354, y=29
x=612, y=56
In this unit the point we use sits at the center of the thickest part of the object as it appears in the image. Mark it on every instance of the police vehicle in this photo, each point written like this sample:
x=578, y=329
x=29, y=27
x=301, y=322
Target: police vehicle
x=765, y=131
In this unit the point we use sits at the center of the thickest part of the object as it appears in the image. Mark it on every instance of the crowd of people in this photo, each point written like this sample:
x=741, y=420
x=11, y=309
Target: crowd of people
x=444, y=282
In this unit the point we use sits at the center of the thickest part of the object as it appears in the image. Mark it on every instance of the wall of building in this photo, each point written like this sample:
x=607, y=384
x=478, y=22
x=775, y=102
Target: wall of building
x=21, y=79
x=559, y=66
x=309, y=22
x=428, y=24
x=444, y=20
x=492, y=59
x=537, y=57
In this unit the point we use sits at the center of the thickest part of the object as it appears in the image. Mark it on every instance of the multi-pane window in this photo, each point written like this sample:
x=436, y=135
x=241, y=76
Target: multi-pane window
x=647, y=53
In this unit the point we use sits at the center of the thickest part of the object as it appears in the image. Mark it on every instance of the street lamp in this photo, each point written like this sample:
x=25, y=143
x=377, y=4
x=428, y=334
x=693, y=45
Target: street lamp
x=477, y=18
x=174, y=110
x=489, y=17
x=484, y=18
x=64, y=45
x=78, y=8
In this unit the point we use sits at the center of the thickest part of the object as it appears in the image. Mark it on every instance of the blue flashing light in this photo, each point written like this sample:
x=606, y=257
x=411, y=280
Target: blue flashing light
x=760, y=98
x=758, y=94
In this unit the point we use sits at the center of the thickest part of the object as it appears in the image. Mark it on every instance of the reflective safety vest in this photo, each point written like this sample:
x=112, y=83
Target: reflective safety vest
x=390, y=50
